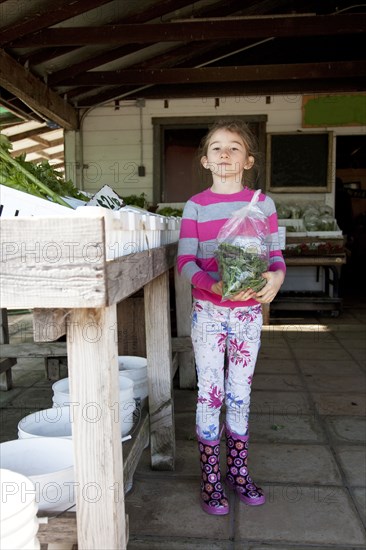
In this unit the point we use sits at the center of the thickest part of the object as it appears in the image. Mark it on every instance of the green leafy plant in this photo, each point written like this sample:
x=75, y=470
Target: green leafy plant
x=41, y=180
x=240, y=270
x=136, y=200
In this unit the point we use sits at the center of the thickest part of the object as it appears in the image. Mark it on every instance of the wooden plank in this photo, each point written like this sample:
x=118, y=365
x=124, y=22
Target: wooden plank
x=181, y=344
x=175, y=364
x=183, y=305
x=133, y=448
x=245, y=73
x=6, y=381
x=49, y=324
x=33, y=350
x=186, y=31
x=315, y=260
x=93, y=374
x=58, y=530
x=131, y=326
x=23, y=84
x=136, y=270
x=52, y=262
x=159, y=364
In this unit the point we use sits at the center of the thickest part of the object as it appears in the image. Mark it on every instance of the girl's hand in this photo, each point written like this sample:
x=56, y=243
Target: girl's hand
x=243, y=295
x=217, y=288
x=273, y=285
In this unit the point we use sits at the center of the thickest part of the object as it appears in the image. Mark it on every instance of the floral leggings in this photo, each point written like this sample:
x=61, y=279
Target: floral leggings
x=226, y=343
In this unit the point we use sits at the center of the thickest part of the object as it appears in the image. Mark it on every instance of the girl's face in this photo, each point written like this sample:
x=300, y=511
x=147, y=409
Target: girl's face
x=227, y=156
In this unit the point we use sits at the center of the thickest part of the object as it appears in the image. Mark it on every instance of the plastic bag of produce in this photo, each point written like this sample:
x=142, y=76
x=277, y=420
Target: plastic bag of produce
x=243, y=249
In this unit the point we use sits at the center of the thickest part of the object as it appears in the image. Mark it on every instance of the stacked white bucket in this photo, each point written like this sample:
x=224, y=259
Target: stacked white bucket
x=132, y=230
x=18, y=512
x=61, y=401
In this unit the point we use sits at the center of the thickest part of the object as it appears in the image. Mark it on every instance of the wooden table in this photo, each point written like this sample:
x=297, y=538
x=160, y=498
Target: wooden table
x=58, y=268
x=330, y=264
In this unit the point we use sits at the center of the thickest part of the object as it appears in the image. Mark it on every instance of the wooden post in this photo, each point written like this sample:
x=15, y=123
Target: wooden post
x=159, y=365
x=6, y=380
x=94, y=393
x=266, y=308
x=183, y=305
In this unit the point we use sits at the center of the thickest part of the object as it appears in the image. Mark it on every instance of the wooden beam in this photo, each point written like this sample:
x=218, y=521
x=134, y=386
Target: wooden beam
x=48, y=143
x=22, y=83
x=234, y=89
x=249, y=73
x=38, y=19
x=185, y=31
x=29, y=133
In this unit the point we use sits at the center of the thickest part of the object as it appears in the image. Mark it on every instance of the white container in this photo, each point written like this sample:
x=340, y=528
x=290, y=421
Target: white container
x=126, y=406
x=55, y=422
x=135, y=368
x=18, y=512
x=49, y=464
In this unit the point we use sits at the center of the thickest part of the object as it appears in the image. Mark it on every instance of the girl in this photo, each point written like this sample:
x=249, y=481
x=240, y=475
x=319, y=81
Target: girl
x=229, y=327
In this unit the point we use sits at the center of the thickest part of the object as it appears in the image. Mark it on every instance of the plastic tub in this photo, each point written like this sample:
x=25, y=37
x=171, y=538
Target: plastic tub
x=49, y=465
x=55, y=422
x=126, y=404
x=18, y=512
x=135, y=368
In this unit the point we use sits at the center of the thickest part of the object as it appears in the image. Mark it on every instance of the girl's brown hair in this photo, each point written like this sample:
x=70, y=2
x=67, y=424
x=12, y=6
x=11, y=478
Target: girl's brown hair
x=249, y=140
x=236, y=126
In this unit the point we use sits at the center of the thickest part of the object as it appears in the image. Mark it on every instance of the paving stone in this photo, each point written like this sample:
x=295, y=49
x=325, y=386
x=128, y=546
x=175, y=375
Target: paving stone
x=9, y=420
x=275, y=366
x=327, y=353
x=359, y=355
x=186, y=461
x=359, y=494
x=35, y=397
x=284, y=463
x=296, y=514
x=332, y=367
x=269, y=353
x=6, y=397
x=337, y=383
x=277, y=382
x=159, y=543
x=353, y=461
x=171, y=507
x=279, y=402
x=185, y=425
x=347, y=428
x=285, y=428
x=340, y=403
x=185, y=400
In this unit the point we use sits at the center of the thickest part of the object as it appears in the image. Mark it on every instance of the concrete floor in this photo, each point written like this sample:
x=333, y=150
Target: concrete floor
x=308, y=432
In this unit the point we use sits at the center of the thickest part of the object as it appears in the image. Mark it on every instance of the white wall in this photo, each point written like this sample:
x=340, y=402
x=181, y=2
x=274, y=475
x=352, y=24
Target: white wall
x=111, y=138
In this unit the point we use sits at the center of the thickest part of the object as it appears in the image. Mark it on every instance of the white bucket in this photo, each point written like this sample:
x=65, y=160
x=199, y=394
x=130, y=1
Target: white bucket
x=135, y=368
x=55, y=422
x=127, y=405
x=49, y=464
x=18, y=512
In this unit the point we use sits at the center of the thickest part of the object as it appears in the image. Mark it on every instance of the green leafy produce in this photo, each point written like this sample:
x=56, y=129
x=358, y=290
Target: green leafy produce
x=41, y=180
x=169, y=211
x=240, y=269
x=136, y=200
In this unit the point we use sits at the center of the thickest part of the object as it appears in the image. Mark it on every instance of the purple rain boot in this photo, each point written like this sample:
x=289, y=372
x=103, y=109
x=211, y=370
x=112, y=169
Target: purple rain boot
x=237, y=475
x=213, y=498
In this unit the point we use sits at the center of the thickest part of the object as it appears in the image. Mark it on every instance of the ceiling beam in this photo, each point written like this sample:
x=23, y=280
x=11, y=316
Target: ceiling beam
x=248, y=73
x=23, y=84
x=211, y=29
x=29, y=133
x=48, y=143
x=239, y=90
x=38, y=19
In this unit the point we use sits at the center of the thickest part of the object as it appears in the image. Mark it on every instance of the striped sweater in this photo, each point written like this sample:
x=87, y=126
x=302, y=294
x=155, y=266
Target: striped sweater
x=203, y=216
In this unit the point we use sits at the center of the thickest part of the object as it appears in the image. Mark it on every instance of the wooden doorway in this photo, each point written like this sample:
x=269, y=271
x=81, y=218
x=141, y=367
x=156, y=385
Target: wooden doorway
x=177, y=171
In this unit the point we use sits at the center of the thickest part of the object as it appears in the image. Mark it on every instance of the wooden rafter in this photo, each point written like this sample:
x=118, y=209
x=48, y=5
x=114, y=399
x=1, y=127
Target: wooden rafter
x=20, y=82
x=248, y=73
x=150, y=13
x=48, y=143
x=223, y=29
x=29, y=133
x=223, y=89
x=38, y=19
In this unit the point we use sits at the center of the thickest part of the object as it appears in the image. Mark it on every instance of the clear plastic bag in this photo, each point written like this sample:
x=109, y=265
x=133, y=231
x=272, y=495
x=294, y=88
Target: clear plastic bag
x=243, y=249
